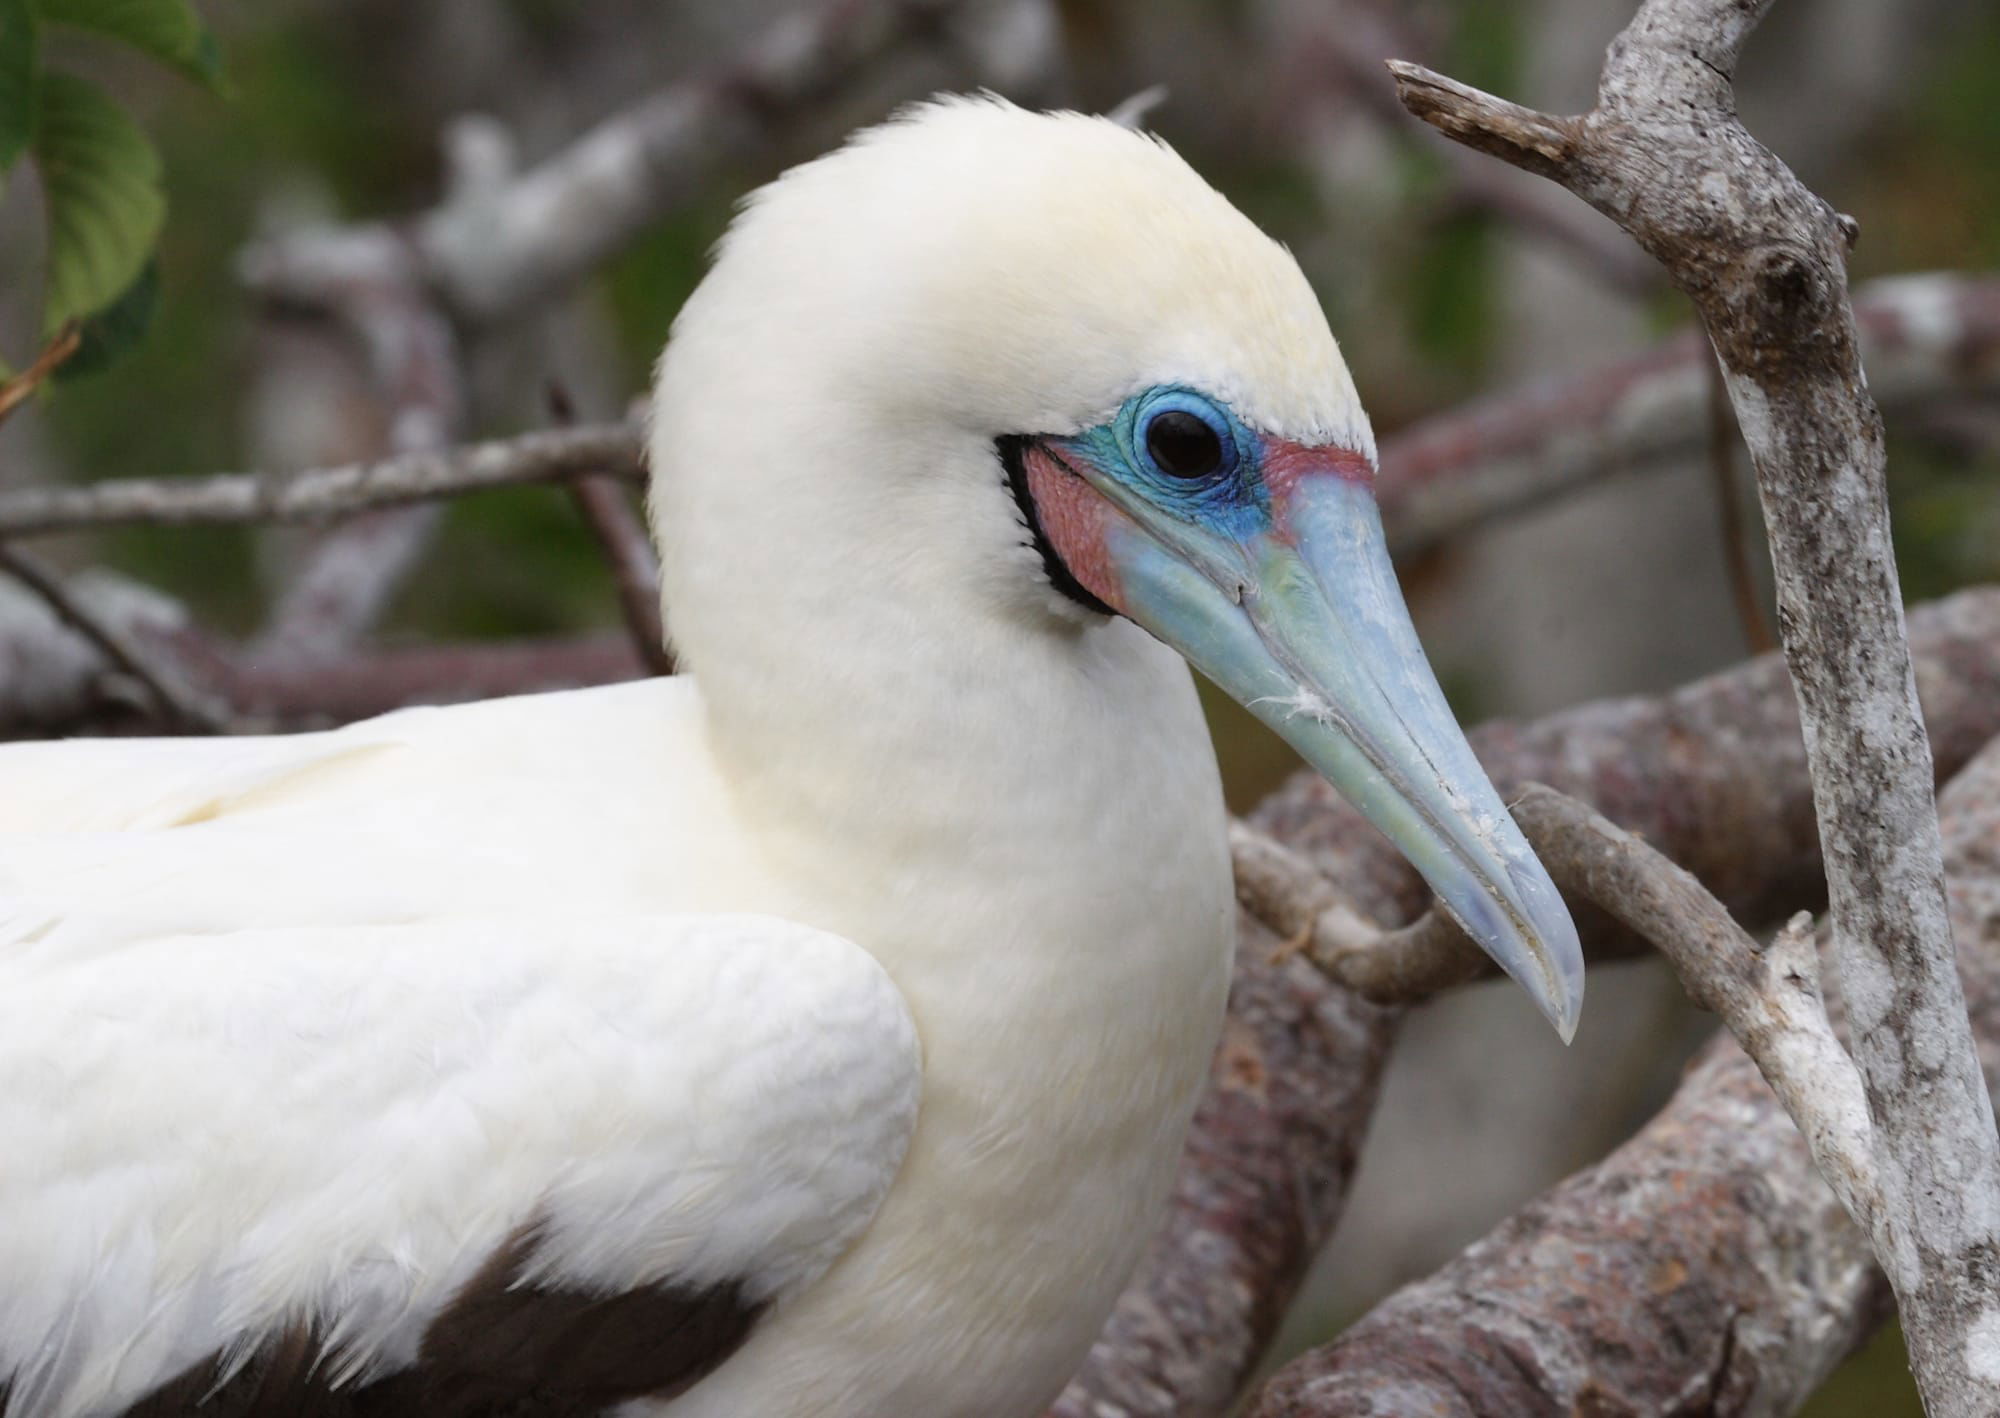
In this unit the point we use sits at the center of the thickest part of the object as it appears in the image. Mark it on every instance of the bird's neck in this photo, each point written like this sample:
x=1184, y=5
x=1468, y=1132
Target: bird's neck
x=1004, y=813
x=923, y=754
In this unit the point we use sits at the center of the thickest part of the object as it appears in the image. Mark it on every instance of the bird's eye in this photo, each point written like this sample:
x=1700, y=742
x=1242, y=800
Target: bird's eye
x=1183, y=445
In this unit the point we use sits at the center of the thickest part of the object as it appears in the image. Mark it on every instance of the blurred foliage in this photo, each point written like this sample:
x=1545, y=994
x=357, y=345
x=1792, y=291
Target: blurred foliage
x=101, y=194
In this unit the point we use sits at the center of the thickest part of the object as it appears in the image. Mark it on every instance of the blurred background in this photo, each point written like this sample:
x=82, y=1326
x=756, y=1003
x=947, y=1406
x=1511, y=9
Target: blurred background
x=1445, y=276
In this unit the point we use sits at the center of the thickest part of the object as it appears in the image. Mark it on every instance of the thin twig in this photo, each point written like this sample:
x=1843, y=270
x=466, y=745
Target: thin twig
x=15, y=391
x=1396, y=967
x=628, y=549
x=1349, y=49
x=635, y=571
x=237, y=499
x=179, y=703
x=1769, y=998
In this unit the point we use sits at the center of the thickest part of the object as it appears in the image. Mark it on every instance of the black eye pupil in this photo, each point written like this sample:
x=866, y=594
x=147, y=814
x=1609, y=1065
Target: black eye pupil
x=1183, y=445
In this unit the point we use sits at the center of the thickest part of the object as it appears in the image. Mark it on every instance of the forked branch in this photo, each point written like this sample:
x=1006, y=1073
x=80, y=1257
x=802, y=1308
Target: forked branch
x=1764, y=260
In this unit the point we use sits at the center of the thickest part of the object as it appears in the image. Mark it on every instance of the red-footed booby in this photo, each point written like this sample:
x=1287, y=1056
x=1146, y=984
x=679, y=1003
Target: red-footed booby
x=812, y=1033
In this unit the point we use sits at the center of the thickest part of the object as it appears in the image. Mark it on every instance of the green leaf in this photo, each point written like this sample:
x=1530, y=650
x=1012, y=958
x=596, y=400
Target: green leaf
x=169, y=30
x=117, y=327
x=20, y=65
x=101, y=190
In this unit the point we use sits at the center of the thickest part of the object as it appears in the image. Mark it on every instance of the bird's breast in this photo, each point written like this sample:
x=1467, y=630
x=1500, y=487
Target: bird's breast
x=1064, y=948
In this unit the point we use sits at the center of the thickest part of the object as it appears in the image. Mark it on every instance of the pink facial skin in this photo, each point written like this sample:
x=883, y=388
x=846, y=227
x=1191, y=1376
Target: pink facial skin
x=1287, y=463
x=1074, y=519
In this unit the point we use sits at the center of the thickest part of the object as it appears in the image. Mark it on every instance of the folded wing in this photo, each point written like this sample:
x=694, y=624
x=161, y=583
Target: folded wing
x=438, y=1165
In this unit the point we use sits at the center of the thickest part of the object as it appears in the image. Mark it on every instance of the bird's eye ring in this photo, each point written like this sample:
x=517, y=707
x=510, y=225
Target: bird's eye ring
x=1183, y=444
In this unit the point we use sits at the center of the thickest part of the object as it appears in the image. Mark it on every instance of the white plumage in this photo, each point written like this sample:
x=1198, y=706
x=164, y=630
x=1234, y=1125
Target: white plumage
x=862, y=980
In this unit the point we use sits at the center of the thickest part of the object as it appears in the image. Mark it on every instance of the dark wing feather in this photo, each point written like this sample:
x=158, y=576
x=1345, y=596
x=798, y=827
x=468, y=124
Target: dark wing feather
x=501, y=1349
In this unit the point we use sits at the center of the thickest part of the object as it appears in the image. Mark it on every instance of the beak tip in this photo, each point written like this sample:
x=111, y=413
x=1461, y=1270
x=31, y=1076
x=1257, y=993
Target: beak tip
x=1566, y=1014
x=1554, y=981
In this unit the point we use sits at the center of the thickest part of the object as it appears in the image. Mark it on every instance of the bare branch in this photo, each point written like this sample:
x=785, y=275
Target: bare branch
x=496, y=248
x=179, y=703
x=1348, y=45
x=1705, y=1266
x=635, y=571
x=51, y=676
x=626, y=544
x=373, y=287
x=500, y=242
x=1765, y=261
x=553, y=455
x=1407, y=966
x=1926, y=337
x=1769, y=999
x=364, y=683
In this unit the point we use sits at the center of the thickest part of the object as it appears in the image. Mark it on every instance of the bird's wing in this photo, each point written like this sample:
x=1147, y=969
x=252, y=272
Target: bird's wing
x=97, y=785
x=456, y=1164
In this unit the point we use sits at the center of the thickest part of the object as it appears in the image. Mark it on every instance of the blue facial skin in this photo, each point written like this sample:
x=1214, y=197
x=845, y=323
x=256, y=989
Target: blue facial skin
x=1232, y=501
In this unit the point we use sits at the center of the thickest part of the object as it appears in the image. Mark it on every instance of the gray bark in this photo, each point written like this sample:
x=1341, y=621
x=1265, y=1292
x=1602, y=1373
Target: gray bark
x=1764, y=260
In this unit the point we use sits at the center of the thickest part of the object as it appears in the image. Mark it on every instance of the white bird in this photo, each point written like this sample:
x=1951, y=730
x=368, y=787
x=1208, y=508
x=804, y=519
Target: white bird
x=814, y=1032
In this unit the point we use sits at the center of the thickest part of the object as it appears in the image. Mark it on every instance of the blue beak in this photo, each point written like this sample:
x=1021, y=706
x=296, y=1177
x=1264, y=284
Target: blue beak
x=1292, y=608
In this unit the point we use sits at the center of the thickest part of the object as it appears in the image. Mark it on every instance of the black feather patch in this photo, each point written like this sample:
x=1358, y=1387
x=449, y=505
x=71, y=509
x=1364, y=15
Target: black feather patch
x=500, y=1349
x=1011, y=448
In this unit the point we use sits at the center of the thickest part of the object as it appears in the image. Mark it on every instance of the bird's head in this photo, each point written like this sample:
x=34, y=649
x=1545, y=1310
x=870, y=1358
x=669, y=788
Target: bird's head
x=1080, y=386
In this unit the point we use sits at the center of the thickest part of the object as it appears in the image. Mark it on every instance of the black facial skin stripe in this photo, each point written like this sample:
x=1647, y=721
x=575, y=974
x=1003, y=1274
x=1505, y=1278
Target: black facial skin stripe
x=1013, y=448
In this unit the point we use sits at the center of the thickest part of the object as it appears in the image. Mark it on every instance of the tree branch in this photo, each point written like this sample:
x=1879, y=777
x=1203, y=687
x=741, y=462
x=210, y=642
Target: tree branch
x=1396, y=967
x=369, y=282
x=1703, y=1267
x=635, y=570
x=1347, y=45
x=322, y=494
x=502, y=241
x=497, y=248
x=180, y=705
x=1765, y=262
x=1768, y=997
x=627, y=547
